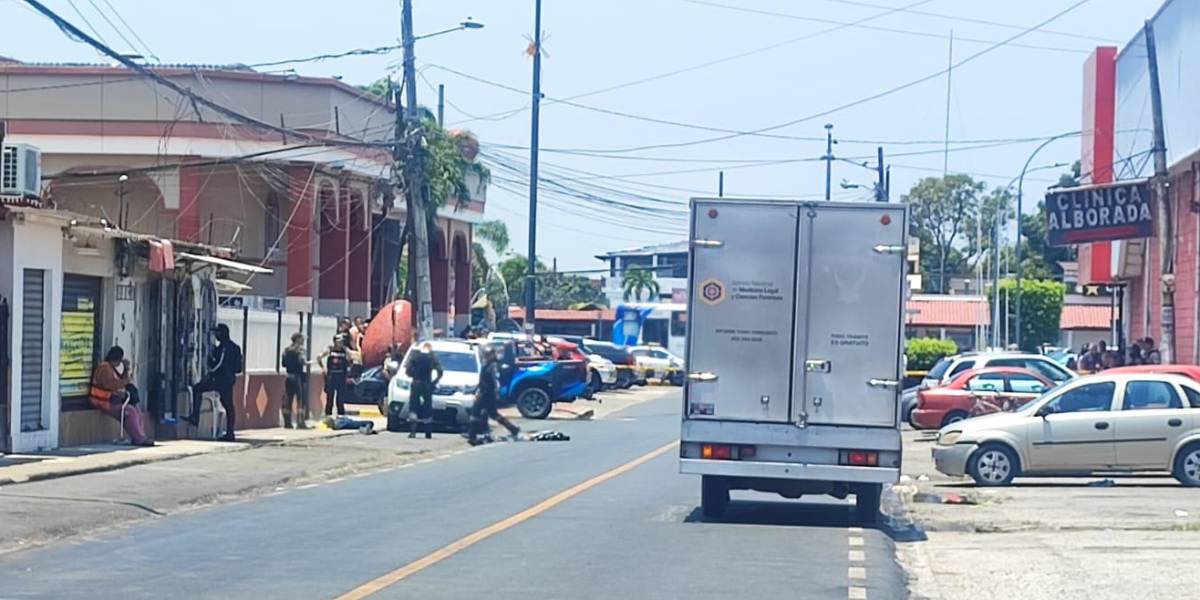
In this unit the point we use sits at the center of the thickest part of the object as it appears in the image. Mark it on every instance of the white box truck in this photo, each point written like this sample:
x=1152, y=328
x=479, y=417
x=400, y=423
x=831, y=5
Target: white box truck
x=795, y=333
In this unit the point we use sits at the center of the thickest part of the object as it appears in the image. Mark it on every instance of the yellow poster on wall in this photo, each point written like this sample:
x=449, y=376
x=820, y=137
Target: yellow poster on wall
x=77, y=351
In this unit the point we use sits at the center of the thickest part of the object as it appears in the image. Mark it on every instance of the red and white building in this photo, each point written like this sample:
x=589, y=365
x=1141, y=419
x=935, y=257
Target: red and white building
x=1117, y=140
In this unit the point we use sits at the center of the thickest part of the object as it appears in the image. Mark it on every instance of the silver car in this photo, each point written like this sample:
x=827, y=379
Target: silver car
x=1116, y=422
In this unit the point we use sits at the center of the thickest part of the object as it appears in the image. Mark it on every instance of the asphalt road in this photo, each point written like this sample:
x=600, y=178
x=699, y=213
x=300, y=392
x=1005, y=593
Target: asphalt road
x=507, y=519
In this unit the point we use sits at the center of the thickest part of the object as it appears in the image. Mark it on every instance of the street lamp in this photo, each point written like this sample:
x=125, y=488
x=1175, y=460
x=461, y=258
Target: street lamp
x=1020, y=197
x=468, y=24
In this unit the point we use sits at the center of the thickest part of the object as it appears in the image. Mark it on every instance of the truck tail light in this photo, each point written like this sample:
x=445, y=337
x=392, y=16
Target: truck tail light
x=859, y=458
x=726, y=452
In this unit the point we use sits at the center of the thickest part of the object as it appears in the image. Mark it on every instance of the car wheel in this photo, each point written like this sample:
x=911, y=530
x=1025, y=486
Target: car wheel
x=993, y=465
x=911, y=421
x=597, y=384
x=866, y=503
x=534, y=403
x=714, y=497
x=954, y=416
x=1187, y=466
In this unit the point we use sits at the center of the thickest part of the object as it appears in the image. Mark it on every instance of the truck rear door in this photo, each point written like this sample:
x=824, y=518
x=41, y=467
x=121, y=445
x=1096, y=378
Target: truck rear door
x=850, y=314
x=739, y=353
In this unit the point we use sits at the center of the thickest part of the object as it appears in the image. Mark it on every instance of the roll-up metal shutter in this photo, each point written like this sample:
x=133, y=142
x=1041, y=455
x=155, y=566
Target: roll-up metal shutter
x=33, y=348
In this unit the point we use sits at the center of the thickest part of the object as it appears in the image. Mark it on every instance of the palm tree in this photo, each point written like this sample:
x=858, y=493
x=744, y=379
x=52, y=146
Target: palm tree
x=638, y=280
x=494, y=235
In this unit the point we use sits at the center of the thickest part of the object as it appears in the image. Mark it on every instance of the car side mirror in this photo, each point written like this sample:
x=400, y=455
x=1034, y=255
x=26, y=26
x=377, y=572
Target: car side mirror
x=1045, y=411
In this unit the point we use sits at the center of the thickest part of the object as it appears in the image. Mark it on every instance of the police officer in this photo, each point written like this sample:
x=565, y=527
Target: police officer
x=337, y=367
x=487, y=399
x=420, y=368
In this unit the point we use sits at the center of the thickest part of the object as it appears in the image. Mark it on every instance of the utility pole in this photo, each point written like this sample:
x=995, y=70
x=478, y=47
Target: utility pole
x=1163, y=226
x=949, y=83
x=441, y=105
x=881, y=194
x=531, y=275
x=828, y=158
x=414, y=183
x=721, y=184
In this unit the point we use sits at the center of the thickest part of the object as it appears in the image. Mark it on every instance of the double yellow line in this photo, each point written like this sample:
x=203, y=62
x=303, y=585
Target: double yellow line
x=392, y=577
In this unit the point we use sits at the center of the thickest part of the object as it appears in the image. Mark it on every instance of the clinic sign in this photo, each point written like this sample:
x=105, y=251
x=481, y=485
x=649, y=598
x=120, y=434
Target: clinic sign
x=1111, y=211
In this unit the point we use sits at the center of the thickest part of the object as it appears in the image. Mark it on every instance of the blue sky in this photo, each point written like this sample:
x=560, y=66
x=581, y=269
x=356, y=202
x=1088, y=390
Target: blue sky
x=795, y=64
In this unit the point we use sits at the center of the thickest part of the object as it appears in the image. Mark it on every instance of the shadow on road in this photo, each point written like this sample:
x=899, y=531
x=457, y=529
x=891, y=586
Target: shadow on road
x=792, y=514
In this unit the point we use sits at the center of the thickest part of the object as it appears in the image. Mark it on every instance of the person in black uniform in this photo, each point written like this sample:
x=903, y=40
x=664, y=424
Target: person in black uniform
x=224, y=365
x=420, y=367
x=295, y=387
x=337, y=366
x=487, y=400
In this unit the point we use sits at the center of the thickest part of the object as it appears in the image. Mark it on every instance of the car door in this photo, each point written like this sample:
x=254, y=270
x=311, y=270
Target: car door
x=1022, y=389
x=1076, y=431
x=1149, y=424
x=987, y=393
x=661, y=361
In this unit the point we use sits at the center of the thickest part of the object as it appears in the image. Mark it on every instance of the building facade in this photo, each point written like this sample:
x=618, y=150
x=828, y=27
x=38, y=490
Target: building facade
x=667, y=262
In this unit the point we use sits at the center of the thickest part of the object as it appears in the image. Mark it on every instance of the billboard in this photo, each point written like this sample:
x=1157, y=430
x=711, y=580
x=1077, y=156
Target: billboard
x=1110, y=211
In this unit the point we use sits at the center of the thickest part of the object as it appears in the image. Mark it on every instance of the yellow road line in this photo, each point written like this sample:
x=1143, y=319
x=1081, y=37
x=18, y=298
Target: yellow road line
x=380, y=583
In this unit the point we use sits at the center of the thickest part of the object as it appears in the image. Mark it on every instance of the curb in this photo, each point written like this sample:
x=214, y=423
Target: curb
x=242, y=447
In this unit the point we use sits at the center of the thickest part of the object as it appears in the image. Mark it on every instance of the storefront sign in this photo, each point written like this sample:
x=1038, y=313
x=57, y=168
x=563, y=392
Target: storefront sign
x=1113, y=211
x=76, y=351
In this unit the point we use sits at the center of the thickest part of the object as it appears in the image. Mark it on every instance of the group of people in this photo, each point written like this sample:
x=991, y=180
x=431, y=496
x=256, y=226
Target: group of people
x=112, y=390
x=341, y=361
x=1097, y=357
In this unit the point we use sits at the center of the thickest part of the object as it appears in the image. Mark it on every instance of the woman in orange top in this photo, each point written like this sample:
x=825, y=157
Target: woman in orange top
x=111, y=387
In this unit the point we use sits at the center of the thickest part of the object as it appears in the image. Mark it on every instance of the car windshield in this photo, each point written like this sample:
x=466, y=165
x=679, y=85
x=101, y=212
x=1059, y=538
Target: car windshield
x=465, y=362
x=939, y=369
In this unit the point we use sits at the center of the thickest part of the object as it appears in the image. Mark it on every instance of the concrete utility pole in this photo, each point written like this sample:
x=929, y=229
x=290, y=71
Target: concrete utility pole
x=414, y=181
x=531, y=275
x=1162, y=201
x=881, y=192
x=441, y=105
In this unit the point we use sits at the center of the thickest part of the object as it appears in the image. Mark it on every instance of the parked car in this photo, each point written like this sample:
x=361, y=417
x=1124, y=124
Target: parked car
x=658, y=363
x=629, y=373
x=952, y=366
x=1103, y=422
x=602, y=373
x=533, y=383
x=454, y=396
x=1190, y=371
x=975, y=392
x=908, y=402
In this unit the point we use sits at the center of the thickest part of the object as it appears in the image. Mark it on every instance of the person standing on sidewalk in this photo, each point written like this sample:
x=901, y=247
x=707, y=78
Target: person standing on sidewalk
x=224, y=365
x=487, y=400
x=420, y=367
x=337, y=366
x=295, y=387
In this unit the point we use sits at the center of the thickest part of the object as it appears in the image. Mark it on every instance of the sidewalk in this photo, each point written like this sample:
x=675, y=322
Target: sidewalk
x=1098, y=538
x=95, y=458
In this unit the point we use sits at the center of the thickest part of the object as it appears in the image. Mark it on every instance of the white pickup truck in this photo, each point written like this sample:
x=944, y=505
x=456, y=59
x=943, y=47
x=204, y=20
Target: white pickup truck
x=796, y=314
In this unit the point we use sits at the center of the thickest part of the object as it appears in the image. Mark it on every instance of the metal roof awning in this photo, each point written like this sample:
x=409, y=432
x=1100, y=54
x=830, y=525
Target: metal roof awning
x=225, y=263
x=230, y=286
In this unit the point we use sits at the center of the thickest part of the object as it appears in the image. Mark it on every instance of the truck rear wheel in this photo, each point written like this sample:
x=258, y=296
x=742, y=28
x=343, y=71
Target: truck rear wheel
x=866, y=503
x=534, y=403
x=714, y=496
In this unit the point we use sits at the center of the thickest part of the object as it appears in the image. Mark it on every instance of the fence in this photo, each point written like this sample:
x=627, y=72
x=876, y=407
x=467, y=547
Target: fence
x=267, y=332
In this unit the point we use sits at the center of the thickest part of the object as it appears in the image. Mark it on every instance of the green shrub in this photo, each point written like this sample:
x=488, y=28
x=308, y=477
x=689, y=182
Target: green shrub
x=923, y=353
x=1041, y=310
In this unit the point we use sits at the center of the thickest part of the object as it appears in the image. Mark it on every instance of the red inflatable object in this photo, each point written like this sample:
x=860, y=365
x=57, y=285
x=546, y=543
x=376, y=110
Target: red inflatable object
x=390, y=326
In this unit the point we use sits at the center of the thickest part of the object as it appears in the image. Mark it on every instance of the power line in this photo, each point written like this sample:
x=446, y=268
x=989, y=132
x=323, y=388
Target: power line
x=132, y=31
x=120, y=33
x=74, y=31
x=717, y=61
x=865, y=99
x=878, y=28
x=978, y=21
x=320, y=57
x=85, y=20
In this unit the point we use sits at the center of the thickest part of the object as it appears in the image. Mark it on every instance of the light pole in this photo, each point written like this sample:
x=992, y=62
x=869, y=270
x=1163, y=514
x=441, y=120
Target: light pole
x=996, y=253
x=828, y=159
x=468, y=24
x=1020, y=197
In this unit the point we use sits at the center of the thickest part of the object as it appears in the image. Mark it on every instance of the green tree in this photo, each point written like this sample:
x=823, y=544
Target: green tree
x=1041, y=310
x=943, y=208
x=997, y=207
x=554, y=290
x=1070, y=179
x=637, y=281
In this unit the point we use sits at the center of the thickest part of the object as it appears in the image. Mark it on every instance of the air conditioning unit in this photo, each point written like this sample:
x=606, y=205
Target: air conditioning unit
x=20, y=170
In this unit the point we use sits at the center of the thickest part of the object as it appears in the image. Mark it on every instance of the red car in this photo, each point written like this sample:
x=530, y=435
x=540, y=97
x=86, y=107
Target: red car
x=976, y=392
x=1189, y=371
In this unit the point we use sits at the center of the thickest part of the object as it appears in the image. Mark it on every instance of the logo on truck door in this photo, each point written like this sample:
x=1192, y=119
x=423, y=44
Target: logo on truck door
x=712, y=291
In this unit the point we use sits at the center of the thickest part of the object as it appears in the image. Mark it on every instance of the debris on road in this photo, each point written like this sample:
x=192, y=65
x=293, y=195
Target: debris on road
x=1102, y=483
x=548, y=436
